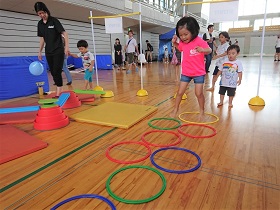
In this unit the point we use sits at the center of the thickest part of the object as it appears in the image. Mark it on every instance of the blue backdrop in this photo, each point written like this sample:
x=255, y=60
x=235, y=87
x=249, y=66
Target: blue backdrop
x=165, y=42
x=15, y=78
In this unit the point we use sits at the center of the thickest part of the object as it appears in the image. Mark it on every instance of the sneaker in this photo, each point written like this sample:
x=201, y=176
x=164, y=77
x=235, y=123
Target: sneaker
x=128, y=71
x=69, y=83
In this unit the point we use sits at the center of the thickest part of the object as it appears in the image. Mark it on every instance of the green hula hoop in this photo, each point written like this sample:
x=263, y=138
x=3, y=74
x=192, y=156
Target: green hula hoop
x=164, y=118
x=135, y=201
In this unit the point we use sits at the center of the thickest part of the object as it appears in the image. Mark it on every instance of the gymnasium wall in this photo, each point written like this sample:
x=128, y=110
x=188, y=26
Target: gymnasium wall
x=251, y=45
x=18, y=35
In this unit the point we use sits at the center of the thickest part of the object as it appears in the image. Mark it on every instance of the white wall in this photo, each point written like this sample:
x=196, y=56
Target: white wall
x=19, y=35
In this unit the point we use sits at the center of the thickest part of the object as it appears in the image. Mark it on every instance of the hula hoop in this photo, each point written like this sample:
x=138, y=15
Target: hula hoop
x=163, y=118
x=202, y=125
x=161, y=145
x=217, y=118
x=113, y=207
x=135, y=201
x=176, y=171
x=131, y=161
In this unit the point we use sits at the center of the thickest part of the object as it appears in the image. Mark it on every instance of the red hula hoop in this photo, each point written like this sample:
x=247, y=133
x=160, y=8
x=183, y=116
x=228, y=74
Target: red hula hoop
x=129, y=161
x=161, y=145
x=201, y=125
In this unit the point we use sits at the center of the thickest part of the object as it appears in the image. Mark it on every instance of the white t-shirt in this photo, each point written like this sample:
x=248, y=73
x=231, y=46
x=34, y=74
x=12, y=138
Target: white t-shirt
x=230, y=70
x=278, y=43
x=130, y=48
x=220, y=50
x=86, y=58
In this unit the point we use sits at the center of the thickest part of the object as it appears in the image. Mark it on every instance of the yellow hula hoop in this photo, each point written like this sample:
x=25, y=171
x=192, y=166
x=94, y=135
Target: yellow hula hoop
x=118, y=15
x=211, y=122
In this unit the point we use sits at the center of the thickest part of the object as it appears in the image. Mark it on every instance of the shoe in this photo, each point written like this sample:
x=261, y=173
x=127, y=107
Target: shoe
x=69, y=83
x=55, y=97
x=275, y=60
x=128, y=71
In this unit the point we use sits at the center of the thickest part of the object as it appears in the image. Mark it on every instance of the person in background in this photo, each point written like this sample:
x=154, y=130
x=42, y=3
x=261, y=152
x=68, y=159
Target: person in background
x=130, y=48
x=118, y=53
x=208, y=37
x=194, y=49
x=235, y=42
x=88, y=62
x=65, y=67
x=231, y=75
x=221, y=55
x=149, y=52
x=49, y=29
x=166, y=55
x=277, y=49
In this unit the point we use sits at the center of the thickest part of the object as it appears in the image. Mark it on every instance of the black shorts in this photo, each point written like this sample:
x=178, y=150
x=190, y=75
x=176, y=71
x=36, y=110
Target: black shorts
x=216, y=70
x=278, y=50
x=230, y=91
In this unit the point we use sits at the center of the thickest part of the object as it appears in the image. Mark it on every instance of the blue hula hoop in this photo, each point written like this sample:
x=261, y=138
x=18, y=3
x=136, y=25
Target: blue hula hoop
x=113, y=207
x=176, y=171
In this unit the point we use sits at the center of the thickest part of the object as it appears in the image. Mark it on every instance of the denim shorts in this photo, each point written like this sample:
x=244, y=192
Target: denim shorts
x=197, y=79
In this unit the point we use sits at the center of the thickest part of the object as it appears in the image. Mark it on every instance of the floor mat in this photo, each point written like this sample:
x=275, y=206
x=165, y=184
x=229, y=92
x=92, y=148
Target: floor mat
x=15, y=143
x=114, y=114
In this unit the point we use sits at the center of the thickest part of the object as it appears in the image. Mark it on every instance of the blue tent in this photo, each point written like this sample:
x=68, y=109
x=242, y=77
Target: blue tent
x=167, y=35
x=165, y=42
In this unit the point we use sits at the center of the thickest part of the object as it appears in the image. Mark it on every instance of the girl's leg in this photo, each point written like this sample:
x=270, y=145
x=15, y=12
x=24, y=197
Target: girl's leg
x=182, y=88
x=230, y=101
x=200, y=97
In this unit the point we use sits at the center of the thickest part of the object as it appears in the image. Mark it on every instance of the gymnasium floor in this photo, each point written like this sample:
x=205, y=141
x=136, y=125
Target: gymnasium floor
x=240, y=165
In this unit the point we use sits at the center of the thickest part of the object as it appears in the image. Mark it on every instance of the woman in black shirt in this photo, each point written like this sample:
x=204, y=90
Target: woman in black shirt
x=49, y=30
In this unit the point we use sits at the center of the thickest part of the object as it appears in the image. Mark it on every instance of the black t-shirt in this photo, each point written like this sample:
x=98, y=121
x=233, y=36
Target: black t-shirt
x=149, y=47
x=51, y=32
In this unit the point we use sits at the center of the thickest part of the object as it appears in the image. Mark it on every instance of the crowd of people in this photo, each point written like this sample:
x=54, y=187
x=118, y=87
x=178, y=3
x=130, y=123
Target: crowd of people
x=198, y=53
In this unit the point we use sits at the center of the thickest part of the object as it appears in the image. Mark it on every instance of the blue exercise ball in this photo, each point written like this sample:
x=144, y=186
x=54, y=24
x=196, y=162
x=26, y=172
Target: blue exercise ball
x=36, y=68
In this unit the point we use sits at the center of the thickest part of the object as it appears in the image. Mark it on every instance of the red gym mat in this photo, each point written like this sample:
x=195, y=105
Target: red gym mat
x=15, y=143
x=21, y=117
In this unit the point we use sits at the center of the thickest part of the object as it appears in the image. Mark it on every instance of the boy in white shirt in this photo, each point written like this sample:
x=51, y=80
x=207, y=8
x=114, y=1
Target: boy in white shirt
x=231, y=71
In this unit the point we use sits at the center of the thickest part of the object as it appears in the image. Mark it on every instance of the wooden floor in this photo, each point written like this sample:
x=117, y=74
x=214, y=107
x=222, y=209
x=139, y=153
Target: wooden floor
x=240, y=165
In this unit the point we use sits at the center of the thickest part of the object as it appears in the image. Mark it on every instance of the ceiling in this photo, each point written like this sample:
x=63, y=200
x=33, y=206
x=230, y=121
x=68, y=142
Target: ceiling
x=68, y=11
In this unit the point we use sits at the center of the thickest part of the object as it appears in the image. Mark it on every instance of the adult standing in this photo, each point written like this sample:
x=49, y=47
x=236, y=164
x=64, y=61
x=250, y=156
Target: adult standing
x=130, y=48
x=149, y=51
x=208, y=37
x=50, y=31
x=118, y=53
x=277, y=48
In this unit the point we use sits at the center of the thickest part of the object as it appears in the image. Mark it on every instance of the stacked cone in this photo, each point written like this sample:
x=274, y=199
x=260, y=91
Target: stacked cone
x=50, y=118
x=73, y=101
